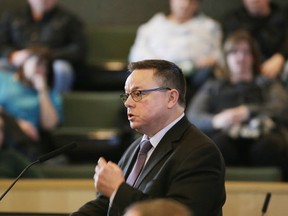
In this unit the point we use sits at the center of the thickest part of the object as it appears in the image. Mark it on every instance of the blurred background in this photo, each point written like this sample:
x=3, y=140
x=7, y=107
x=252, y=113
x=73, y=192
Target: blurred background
x=128, y=12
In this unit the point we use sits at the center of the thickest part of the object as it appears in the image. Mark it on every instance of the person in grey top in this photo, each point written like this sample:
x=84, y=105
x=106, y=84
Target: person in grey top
x=240, y=110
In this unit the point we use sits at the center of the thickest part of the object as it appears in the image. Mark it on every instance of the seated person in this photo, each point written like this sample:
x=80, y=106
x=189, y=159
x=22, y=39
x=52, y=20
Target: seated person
x=185, y=36
x=43, y=22
x=267, y=23
x=29, y=108
x=239, y=109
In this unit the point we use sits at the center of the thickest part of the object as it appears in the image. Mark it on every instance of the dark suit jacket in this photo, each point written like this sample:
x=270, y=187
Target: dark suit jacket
x=185, y=166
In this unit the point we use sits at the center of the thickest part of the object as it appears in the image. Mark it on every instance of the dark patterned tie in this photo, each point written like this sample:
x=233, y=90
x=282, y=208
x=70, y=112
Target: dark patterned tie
x=145, y=146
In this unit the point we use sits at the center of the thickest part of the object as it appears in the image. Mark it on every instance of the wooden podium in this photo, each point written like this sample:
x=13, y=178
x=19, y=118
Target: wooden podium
x=62, y=196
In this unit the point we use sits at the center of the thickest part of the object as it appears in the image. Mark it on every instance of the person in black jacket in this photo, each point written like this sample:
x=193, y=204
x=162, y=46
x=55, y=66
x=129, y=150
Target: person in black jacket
x=47, y=24
x=267, y=22
x=183, y=163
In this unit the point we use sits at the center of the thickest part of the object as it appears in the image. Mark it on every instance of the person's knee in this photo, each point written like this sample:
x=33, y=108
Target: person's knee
x=63, y=75
x=62, y=67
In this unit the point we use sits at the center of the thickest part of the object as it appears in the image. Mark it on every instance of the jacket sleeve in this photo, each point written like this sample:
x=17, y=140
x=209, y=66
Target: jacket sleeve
x=198, y=110
x=75, y=49
x=275, y=100
x=98, y=207
x=6, y=47
x=190, y=182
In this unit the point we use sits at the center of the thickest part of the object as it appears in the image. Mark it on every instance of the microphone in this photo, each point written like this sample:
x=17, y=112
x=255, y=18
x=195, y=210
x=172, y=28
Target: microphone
x=56, y=152
x=40, y=160
x=266, y=203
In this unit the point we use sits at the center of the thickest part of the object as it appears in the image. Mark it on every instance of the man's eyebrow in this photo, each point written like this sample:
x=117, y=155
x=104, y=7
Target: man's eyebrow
x=133, y=89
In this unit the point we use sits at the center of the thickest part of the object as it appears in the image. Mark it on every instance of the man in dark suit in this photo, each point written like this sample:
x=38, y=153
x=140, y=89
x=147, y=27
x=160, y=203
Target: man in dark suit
x=183, y=163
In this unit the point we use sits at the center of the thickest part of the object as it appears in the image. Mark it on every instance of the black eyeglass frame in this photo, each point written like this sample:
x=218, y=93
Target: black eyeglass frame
x=125, y=96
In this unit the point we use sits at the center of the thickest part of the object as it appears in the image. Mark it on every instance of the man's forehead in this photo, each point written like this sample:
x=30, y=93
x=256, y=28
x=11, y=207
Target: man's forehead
x=140, y=79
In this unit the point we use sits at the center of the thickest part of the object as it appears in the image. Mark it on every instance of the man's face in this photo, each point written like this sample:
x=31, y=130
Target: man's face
x=183, y=10
x=150, y=113
x=256, y=7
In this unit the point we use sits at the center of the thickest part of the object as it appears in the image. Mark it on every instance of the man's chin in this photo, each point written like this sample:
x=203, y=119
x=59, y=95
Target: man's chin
x=134, y=126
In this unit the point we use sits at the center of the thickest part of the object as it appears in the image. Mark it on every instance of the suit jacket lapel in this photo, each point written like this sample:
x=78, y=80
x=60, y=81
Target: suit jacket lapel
x=131, y=158
x=152, y=162
x=164, y=147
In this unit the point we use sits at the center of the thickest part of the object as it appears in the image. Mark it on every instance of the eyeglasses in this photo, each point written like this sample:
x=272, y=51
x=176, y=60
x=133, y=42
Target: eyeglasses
x=242, y=51
x=137, y=94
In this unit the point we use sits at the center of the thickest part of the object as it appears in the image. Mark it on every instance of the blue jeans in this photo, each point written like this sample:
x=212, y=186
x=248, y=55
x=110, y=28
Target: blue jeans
x=63, y=76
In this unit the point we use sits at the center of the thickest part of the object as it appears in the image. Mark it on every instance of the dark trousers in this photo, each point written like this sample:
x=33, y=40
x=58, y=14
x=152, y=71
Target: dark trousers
x=268, y=150
x=14, y=138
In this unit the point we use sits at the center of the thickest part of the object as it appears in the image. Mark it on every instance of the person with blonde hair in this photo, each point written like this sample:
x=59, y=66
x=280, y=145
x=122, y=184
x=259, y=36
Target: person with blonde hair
x=159, y=207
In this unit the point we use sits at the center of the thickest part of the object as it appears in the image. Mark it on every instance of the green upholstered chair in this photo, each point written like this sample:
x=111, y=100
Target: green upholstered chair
x=68, y=171
x=266, y=174
x=110, y=44
x=90, y=120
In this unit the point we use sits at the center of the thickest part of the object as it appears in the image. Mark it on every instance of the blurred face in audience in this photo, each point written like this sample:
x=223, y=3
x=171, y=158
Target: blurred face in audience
x=183, y=10
x=41, y=6
x=257, y=7
x=35, y=72
x=240, y=62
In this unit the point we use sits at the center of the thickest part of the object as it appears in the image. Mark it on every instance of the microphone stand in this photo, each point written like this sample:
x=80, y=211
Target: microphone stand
x=19, y=176
x=40, y=160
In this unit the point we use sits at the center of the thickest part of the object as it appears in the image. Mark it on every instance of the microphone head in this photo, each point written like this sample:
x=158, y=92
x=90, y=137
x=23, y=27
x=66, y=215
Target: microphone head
x=57, y=152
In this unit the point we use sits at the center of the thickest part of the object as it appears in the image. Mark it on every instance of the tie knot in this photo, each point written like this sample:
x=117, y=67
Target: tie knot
x=145, y=146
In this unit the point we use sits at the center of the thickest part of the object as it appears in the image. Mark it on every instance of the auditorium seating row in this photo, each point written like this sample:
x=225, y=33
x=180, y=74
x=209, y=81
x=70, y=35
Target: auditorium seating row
x=86, y=171
x=107, y=59
x=92, y=112
x=93, y=121
x=96, y=122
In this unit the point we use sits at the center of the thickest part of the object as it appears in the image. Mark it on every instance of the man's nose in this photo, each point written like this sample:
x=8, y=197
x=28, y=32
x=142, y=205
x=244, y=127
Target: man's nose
x=129, y=102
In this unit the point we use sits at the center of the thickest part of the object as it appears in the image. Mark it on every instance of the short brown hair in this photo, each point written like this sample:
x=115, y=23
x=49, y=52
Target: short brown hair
x=168, y=74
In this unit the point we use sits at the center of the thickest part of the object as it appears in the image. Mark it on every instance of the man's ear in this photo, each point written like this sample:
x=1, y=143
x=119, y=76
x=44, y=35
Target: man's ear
x=173, y=97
